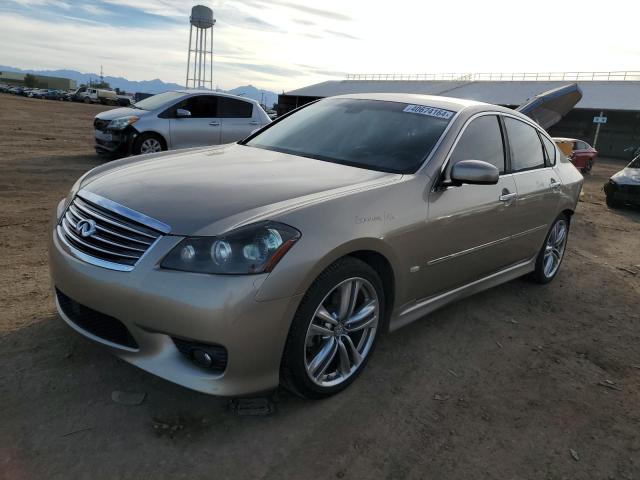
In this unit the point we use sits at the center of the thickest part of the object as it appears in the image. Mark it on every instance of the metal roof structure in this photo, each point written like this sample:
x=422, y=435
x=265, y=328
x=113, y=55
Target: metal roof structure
x=615, y=94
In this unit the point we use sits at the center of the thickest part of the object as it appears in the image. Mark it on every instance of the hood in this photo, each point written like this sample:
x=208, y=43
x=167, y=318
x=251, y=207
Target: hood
x=627, y=176
x=191, y=190
x=121, y=112
x=547, y=108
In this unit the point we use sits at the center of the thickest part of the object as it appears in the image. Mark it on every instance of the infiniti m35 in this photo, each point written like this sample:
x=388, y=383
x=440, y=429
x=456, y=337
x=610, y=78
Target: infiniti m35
x=282, y=259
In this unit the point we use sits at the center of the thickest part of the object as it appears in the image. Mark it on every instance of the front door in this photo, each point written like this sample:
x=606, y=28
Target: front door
x=470, y=226
x=202, y=128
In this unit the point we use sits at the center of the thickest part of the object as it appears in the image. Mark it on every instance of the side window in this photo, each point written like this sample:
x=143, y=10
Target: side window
x=232, y=108
x=582, y=146
x=526, y=148
x=550, y=150
x=481, y=140
x=204, y=106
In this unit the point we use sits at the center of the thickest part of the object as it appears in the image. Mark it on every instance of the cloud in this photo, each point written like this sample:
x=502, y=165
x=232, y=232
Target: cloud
x=342, y=34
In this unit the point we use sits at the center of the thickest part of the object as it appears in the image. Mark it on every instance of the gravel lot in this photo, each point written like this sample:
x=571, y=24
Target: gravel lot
x=519, y=382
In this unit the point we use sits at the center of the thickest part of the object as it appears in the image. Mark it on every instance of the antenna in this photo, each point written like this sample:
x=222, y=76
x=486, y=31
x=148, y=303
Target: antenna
x=202, y=20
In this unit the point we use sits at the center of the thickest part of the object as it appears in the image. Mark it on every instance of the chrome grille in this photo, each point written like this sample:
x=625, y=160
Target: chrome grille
x=118, y=242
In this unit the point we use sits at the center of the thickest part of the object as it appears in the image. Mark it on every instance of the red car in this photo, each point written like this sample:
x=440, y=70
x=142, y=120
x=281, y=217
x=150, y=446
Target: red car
x=581, y=154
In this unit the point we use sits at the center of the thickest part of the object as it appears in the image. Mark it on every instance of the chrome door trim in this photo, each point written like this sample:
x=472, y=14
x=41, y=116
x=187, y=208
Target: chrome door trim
x=467, y=251
x=483, y=246
x=124, y=211
x=423, y=307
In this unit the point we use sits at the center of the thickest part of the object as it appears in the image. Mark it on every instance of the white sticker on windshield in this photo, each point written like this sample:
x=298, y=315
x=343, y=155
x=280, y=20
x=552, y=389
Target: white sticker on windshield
x=429, y=111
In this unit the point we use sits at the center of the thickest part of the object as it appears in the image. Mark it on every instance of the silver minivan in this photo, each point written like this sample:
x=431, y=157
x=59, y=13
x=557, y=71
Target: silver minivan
x=177, y=119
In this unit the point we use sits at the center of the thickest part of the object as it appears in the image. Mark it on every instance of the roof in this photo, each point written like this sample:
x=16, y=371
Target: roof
x=605, y=95
x=214, y=92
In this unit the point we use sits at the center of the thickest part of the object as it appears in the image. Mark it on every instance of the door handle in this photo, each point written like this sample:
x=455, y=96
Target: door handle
x=214, y=124
x=554, y=184
x=254, y=122
x=507, y=197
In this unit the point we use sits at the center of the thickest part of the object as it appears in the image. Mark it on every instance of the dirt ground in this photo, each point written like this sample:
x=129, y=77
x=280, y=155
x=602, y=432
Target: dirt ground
x=519, y=382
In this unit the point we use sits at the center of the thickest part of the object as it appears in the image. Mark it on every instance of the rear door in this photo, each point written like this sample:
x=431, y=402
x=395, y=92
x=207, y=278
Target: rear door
x=537, y=185
x=237, y=117
x=470, y=225
x=202, y=128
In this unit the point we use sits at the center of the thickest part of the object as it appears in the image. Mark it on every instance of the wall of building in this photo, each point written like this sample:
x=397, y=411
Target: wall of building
x=41, y=81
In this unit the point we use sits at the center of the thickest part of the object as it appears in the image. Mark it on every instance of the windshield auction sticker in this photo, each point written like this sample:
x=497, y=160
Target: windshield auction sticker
x=429, y=111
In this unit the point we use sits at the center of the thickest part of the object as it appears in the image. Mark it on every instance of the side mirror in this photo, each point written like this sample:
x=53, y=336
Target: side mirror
x=182, y=113
x=474, y=172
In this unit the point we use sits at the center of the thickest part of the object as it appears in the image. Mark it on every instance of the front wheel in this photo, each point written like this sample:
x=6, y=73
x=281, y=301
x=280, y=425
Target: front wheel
x=334, y=330
x=148, y=143
x=552, y=252
x=588, y=166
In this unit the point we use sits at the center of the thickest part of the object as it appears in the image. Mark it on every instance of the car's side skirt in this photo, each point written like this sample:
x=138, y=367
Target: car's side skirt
x=421, y=308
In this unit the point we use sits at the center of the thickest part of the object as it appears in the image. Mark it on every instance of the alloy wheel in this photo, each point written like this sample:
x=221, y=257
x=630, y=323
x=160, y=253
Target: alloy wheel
x=554, y=248
x=150, y=145
x=341, y=332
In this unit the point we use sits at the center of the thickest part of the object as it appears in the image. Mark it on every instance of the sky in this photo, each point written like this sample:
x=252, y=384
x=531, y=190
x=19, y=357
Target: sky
x=285, y=44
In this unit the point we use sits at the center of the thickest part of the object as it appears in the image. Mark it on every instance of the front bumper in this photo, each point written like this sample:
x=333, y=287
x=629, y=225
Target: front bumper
x=108, y=142
x=623, y=193
x=157, y=306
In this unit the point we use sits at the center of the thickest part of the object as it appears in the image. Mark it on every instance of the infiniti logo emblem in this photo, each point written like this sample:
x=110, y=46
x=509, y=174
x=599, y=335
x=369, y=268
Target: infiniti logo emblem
x=86, y=228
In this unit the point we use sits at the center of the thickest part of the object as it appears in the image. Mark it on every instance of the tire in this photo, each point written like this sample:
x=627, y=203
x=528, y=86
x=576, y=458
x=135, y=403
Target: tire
x=148, y=143
x=612, y=203
x=545, y=272
x=86, y=100
x=588, y=166
x=320, y=356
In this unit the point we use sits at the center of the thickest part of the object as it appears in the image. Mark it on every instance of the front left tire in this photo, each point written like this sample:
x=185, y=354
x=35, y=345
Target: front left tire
x=334, y=331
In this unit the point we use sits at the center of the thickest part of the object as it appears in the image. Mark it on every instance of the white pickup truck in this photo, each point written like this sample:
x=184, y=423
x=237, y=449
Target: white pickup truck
x=96, y=95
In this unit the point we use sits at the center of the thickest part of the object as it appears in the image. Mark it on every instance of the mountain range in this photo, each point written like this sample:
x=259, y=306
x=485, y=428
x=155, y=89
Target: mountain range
x=146, y=86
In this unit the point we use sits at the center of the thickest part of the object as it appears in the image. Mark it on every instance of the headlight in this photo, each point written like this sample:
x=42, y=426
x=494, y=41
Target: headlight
x=121, y=123
x=252, y=249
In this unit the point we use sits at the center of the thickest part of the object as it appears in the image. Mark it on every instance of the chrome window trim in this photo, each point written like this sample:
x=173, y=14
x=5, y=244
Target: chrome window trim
x=481, y=114
x=455, y=143
x=125, y=211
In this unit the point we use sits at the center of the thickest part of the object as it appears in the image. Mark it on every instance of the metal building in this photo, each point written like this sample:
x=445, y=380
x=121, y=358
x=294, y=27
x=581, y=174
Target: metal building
x=615, y=95
x=42, y=81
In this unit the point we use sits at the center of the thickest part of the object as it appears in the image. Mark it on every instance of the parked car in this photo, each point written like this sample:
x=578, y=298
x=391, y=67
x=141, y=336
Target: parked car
x=55, y=94
x=624, y=187
x=283, y=257
x=124, y=100
x=177, y=119
x=581, y=154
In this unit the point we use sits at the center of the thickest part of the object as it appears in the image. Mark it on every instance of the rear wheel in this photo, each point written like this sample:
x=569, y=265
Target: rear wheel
x=148, y=143
x=334, y=330
x=552, y=252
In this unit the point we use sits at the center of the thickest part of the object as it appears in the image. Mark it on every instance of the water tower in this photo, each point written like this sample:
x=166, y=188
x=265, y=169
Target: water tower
x=200, y=57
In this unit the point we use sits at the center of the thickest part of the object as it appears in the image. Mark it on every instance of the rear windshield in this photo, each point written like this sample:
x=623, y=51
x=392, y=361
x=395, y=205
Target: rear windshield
x=373, y=134
x=158, y=101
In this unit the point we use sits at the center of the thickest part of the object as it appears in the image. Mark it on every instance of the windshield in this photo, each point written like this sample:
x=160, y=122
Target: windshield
x=635, y=163
x=377, y=135
x=158, y=101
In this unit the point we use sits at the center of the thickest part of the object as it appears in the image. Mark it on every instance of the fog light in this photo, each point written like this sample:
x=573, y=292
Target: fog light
x=201, y=357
